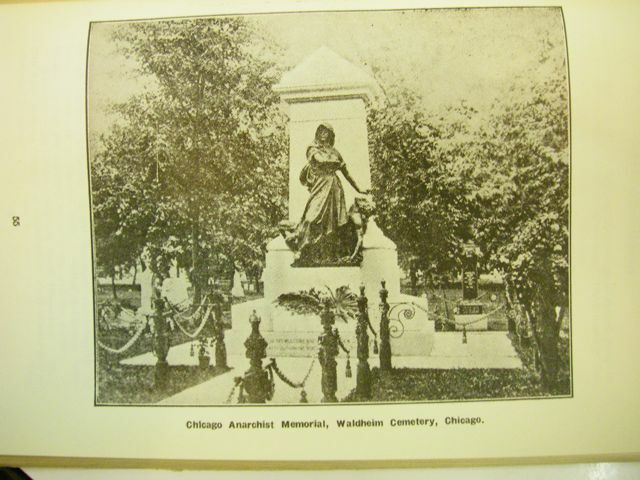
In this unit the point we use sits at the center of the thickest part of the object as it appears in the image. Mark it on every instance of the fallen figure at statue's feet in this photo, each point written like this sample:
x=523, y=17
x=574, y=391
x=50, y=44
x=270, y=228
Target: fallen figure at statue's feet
x=340, y=248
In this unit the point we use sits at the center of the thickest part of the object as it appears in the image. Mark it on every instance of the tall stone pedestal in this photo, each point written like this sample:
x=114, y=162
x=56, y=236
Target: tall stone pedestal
x=325, y=87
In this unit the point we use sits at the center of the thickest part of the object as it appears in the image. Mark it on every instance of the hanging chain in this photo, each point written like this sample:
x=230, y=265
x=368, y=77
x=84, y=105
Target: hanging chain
x=127, y=345
x=236, y=383
x=274, y=366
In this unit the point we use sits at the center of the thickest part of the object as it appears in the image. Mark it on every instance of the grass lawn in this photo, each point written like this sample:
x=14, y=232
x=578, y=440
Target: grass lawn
x=134, y=384
x=126, y=385
x=467, y=384
x=408, y=384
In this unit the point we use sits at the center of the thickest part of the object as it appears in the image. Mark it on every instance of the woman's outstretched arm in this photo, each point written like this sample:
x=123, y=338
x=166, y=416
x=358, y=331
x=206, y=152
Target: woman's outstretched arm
x=351, y=181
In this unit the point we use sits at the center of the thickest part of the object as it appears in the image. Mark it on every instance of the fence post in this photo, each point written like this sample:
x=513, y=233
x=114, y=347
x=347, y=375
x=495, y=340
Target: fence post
x=385, y=345
x=327, y=356
x=204, y=360
x=218, y=332
x=363, y=375
x=161, y=340
x=256, y=380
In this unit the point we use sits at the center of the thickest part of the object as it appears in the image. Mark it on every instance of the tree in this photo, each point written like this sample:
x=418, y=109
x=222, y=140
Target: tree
x=197, y=166
x=122, y=203
x=498, y=177
x=519, y=169
x=420, y=199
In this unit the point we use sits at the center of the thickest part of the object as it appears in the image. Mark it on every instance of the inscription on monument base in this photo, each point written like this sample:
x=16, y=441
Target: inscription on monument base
x=470, y=316
x=470, y=309
x=298, y=345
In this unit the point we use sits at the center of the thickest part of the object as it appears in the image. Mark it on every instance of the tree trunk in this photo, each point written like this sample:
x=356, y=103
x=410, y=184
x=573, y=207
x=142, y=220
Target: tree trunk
x=195, y=262
x=511, y=307
x=507, y=293
x=546, y=334
x=414, y=279
x=195, y=207
x=113, y=286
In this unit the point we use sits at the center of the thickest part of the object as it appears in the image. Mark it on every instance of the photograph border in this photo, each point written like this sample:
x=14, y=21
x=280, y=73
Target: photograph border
x=354, y=403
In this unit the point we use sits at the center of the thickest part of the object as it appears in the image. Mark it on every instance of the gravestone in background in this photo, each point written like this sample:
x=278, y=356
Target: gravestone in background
x=470, y=311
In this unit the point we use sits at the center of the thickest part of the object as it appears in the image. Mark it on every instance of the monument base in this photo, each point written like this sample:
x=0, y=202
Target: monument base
x=379, y=263
x=297, y=335
x=294, y=335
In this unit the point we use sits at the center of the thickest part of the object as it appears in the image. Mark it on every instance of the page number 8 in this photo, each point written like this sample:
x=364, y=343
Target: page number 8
x=16, y=221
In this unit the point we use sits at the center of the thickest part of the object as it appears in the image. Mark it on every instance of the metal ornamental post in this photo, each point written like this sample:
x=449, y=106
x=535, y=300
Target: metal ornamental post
x=363, y=375
x=218, y=331
x=161, y=340
x=327, y=356
x=385, y=345
x=256, y=382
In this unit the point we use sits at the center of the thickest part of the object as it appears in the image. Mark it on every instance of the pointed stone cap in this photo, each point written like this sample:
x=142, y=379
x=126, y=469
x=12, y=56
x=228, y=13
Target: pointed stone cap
x=326, y=75
x=374, y=239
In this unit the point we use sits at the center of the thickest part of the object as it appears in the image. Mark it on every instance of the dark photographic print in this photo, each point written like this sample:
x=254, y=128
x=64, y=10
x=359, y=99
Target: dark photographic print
x=330, y=207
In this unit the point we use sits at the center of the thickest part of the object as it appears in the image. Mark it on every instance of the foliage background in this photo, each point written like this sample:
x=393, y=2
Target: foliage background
x=469, y=143
x=459, y=68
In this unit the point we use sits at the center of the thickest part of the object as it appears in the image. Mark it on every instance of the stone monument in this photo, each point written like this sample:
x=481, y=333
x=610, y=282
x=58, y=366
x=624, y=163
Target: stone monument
x=326, y=89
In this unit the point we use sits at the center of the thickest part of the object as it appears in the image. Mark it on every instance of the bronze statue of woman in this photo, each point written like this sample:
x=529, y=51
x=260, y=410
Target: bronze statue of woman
x=325, y=212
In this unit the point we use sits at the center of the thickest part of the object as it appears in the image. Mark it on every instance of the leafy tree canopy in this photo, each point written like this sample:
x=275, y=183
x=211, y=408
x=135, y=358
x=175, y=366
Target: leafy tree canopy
x=195, y=171
x=499, y=178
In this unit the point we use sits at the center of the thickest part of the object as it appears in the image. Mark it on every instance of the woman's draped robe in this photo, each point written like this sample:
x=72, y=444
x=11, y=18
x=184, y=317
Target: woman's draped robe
x=325, y=212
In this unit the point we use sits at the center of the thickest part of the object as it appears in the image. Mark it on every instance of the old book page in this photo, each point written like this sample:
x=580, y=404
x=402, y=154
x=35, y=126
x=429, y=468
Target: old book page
x=319, y=234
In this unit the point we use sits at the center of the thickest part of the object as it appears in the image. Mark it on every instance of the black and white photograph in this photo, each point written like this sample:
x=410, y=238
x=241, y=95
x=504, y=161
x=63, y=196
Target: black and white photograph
x=331, y=207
